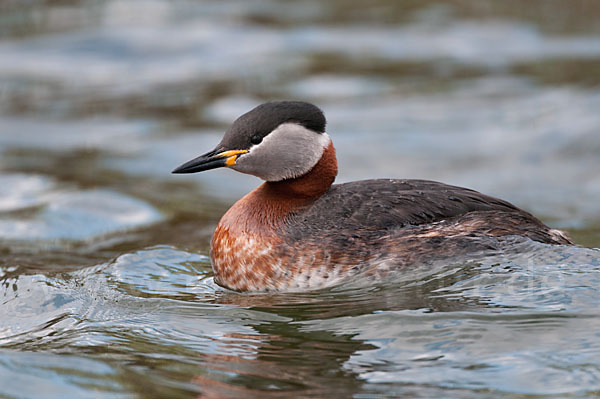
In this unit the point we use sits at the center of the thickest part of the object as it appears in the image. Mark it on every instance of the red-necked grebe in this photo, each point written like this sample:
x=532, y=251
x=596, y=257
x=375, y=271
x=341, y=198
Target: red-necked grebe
x=297, y=231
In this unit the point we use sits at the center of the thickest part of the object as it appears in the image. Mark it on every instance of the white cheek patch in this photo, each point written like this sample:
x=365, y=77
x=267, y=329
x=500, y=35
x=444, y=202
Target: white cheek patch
x=289, y=151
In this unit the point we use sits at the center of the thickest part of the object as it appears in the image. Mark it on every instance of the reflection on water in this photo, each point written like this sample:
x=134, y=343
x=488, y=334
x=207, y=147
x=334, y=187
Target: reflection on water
x=106, y=288
x=154, y=323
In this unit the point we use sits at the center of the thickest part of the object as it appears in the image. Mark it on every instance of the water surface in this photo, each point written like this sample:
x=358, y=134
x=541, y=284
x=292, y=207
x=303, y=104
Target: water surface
x=106, y=287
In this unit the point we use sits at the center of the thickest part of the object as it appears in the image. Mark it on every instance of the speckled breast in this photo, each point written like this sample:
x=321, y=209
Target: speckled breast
x=246, y=262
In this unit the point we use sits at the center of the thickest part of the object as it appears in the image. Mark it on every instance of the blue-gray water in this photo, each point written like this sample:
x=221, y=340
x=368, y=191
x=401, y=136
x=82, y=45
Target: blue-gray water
x=106, y=288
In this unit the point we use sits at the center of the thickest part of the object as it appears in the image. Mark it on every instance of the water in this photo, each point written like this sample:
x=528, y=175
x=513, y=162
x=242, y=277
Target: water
x=106, y=288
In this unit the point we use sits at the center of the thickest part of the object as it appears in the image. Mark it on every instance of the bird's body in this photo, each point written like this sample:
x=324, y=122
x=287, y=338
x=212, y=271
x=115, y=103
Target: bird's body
x=297, y=231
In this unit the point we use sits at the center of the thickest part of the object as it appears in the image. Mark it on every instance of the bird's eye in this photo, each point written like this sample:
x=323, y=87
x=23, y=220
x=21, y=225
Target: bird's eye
x=256, y=139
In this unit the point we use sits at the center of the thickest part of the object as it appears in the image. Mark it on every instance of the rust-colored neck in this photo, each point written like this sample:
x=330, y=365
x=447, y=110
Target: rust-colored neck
x=265, y=208
x=311, y=185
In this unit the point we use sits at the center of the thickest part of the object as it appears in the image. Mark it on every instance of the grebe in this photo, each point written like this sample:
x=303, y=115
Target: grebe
x=297, y=231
